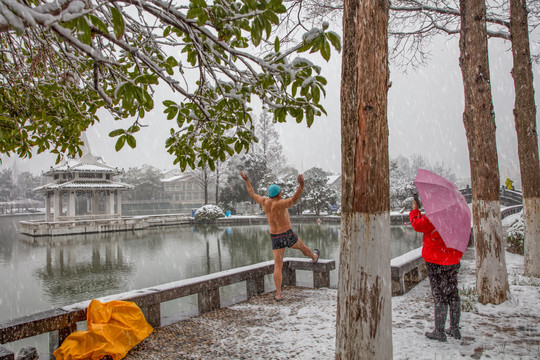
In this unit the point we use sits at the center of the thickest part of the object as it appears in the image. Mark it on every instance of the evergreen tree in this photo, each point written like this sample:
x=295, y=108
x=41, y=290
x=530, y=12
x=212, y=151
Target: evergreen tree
x=269, y=143
x=6, y=185
x=318, y=195
x=146, y=182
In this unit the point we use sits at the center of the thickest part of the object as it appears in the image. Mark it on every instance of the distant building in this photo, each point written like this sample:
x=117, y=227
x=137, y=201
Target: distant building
x=82, y=188
x=335, y=182
x=184, y=189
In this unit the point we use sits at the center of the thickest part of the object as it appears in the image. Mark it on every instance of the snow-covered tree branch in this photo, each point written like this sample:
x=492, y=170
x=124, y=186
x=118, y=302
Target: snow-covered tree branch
x=61, y=61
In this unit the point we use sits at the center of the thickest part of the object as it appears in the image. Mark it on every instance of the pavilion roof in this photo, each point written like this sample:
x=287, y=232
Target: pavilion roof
x=79, y=184
x=87, y=163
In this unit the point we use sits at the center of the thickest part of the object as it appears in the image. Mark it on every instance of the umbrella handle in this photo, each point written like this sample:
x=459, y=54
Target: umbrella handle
x=418, y=203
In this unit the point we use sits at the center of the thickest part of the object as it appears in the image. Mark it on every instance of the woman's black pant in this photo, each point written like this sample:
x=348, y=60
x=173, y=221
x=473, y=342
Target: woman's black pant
x=443, y=281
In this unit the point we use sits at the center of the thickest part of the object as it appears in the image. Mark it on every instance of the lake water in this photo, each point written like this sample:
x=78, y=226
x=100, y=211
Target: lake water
x=43, y=273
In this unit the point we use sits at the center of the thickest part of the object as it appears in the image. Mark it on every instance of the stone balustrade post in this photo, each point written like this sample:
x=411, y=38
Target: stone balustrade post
x=152, y=313
x=209, y=300
x=289, y=275
x=5, y=354
x=254, y=286
x=56, y=338
x=321, y=279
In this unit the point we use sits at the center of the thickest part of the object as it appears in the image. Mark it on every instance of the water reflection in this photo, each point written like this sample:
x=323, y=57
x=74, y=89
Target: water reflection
x=44, y=273
x=9, y=232
x=71, y=274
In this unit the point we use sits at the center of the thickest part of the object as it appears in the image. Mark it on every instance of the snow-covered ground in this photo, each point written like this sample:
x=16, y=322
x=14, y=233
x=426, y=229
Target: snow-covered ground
x=302, y=326
x=507, y=331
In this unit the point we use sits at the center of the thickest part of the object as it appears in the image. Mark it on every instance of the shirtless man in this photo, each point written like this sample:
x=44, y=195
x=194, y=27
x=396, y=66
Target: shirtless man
x=277, y=213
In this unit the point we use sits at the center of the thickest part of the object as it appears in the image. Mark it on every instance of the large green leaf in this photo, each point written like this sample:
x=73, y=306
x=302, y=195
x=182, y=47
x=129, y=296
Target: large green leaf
x=83, y=31
x=100, y=25
x=118, y=22
x=334, y=39
x=325, y=49
x=120, y=143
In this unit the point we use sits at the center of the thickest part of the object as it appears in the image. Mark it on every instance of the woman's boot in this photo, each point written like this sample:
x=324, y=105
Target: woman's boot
x=441, y=310
x=455, y=314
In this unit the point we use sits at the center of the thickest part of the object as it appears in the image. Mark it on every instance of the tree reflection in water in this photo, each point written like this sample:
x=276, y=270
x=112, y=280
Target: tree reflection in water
x=71, y=275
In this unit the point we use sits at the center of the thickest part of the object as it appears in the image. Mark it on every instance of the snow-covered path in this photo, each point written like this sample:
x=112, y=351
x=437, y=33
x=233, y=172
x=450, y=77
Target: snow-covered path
x=303, y=325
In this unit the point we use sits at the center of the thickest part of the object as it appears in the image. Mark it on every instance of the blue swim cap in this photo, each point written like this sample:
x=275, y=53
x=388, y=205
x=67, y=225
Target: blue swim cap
x=274, y=190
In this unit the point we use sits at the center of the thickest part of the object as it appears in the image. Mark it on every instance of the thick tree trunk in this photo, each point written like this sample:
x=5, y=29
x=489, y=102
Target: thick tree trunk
x=479, y=120
x=525, y=118
x=364, y=311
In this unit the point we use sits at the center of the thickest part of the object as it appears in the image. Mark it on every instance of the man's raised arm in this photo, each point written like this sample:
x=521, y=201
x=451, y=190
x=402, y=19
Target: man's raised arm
x=294, y=199
x=249, y=188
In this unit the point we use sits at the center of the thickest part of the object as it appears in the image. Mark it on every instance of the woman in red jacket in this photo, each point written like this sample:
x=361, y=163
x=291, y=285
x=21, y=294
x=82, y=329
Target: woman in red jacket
x=442, y=265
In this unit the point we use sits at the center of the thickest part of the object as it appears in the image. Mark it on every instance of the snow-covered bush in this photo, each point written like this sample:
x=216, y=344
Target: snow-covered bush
x=469, y=297
x=515, y=236
x=208, y=214
x=407, y=203
x=400, y=190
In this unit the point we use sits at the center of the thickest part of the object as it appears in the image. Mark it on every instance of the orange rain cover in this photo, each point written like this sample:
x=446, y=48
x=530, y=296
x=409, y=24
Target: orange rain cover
x=114, y=328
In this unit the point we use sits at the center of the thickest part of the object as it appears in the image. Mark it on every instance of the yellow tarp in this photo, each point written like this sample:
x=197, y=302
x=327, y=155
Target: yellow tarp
x=114, y=328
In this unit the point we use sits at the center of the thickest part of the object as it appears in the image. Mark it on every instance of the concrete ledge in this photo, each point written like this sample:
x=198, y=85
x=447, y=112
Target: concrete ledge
x=32, y=325
x=407, y=270
x=89, y=226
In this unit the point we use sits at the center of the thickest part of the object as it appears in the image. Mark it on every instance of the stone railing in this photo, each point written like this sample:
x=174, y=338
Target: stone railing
x=61, y=322
x=507, y=197
x=511, y=210
x=407, y=271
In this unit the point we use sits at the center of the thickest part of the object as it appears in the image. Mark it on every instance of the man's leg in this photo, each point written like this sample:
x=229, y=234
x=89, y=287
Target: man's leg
x=305, y=250
x=278, y=268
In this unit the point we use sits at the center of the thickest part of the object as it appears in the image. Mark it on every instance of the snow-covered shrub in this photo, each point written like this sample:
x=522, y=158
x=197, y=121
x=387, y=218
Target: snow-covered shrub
x=468, y=297
x=515, y=236
x=208, y=214
x=400, y=190
x=407, y=203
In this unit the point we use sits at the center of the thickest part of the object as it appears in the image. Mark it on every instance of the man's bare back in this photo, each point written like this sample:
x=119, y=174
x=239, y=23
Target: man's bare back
x=277, y=214
x=276, y=208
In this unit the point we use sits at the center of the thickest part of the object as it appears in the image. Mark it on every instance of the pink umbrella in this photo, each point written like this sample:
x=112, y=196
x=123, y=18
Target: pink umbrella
x=446, y=208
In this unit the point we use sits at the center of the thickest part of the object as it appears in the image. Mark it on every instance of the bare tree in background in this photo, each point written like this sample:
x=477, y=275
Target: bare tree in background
x=525, y=119
x=364, y=309
x=203, y=178
x=479, y=119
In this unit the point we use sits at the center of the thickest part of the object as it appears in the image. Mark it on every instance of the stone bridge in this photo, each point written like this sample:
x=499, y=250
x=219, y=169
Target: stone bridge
x=508, y=197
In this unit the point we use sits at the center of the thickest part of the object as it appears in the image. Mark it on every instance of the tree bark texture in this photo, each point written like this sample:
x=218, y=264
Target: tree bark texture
x=364, y=311
x=479, y=121
x=525, y=119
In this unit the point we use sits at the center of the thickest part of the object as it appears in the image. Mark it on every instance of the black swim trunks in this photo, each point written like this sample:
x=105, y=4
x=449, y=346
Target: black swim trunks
x=283, y=240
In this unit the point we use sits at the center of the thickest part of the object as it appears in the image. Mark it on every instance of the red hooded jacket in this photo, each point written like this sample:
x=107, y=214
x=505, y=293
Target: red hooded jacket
x=433, y=250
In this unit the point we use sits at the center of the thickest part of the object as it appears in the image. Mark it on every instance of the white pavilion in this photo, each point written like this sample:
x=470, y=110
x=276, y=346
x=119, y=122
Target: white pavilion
x=82, y=188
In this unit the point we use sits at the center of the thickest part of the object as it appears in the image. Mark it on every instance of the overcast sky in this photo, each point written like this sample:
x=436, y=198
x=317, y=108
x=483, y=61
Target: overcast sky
x=425, y=110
